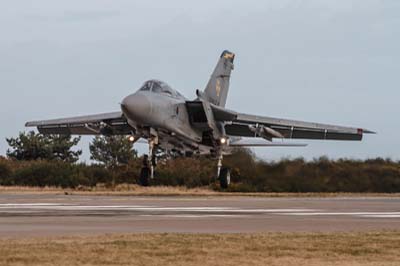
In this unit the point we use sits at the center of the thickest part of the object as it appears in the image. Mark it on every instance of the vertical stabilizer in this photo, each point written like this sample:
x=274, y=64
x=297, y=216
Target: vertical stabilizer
x=218, y=86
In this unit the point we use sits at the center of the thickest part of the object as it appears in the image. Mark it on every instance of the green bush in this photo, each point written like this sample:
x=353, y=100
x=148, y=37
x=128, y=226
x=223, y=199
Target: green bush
x=189, y=172
x=129, y=173
x=91, y=175
x=248, y=174
x=43, y=173
x=5, y=172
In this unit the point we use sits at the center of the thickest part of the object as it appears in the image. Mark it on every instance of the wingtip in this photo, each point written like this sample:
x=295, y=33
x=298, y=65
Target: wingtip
x=30, y=124
x=366, y=131
x=362, y=131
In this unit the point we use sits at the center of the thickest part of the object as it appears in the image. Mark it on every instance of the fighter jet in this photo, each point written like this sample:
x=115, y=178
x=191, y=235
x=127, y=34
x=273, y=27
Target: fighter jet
x=174, y=125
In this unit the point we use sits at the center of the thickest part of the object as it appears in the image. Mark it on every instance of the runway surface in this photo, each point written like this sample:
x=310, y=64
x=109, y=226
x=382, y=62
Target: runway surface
x=45, y=215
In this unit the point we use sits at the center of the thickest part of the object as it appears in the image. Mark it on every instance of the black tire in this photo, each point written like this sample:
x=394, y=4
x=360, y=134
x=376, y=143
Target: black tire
x=225, y=178
x=154, y=160
x=144, y=177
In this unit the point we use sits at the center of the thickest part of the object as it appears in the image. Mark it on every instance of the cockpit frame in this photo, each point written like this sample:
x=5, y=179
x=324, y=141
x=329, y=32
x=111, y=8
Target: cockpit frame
x=160, y=87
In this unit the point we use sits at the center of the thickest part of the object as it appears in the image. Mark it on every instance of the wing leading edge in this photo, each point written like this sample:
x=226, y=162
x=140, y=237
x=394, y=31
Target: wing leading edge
x=107, y=123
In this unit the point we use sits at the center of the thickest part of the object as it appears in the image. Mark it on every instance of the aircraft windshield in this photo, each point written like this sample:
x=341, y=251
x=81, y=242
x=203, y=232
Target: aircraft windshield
x=146, y=86
x=157, y=86
x=161, y=87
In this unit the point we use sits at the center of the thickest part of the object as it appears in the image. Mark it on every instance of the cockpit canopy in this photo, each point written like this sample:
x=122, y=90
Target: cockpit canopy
x=158, y=86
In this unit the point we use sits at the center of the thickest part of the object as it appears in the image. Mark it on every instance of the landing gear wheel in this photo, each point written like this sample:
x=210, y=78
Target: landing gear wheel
x=144, y=177
x=225, y=178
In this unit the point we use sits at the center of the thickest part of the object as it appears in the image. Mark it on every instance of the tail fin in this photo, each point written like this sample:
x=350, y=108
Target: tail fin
x=218, y=86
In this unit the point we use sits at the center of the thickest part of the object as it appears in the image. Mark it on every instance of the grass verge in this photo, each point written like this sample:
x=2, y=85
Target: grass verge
x=135, y=190
x=373, y=248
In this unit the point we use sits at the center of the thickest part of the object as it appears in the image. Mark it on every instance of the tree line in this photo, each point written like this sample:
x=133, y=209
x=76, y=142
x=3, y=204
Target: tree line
x=37, y=160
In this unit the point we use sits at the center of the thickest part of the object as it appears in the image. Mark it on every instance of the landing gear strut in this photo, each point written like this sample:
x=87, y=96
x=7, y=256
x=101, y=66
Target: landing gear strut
x=224, y=174
x=149, y=163
x=152, y=158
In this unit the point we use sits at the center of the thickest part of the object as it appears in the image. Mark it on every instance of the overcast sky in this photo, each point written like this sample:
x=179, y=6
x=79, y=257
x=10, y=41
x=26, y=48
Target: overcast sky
x=332, y=61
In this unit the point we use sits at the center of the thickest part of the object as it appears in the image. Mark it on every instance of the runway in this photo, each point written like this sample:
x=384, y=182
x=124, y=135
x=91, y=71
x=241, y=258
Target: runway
x=46, y=215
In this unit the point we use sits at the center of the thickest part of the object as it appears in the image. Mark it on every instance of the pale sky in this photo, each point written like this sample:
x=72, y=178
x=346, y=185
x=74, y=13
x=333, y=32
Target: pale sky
x=335, y=61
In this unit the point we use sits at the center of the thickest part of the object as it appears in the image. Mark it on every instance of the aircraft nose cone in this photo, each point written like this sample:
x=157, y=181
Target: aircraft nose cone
x=136, y=107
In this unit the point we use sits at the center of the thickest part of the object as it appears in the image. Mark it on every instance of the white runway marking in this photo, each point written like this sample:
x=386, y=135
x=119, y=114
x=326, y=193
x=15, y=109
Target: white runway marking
x=358, y=214
x=195, y=212
x=195, y=216
x=29, y=204
x=70, y=207
x=382, y=216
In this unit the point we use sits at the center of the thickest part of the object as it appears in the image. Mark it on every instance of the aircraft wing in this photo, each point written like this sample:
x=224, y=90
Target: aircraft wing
x=107, y=123
x=245, y=125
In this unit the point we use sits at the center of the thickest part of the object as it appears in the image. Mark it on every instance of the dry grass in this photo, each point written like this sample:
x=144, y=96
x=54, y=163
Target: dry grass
x=124, y=189
x=135, y=190
x=378, y=248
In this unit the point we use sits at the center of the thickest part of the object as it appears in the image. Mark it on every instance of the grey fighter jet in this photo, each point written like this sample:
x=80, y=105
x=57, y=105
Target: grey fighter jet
x=172, y=124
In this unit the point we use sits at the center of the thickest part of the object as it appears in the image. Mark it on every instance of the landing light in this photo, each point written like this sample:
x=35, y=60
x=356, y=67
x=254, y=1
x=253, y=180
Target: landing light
x=131, y=138
x=223, y=140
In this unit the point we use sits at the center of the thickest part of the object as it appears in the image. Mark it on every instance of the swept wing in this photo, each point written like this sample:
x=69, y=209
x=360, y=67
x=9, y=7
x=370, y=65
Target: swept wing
x=245, y=125
x=113, y=123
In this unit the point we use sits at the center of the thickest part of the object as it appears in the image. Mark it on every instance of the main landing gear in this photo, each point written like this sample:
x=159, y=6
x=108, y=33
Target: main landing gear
x=224, y=174
x=149, y=163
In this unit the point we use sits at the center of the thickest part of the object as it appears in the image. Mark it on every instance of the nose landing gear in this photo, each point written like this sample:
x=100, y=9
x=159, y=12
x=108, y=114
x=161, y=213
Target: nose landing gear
x=149, y=163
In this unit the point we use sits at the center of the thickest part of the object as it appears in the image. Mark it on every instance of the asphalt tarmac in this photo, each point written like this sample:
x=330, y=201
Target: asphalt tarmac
x=25, y=215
